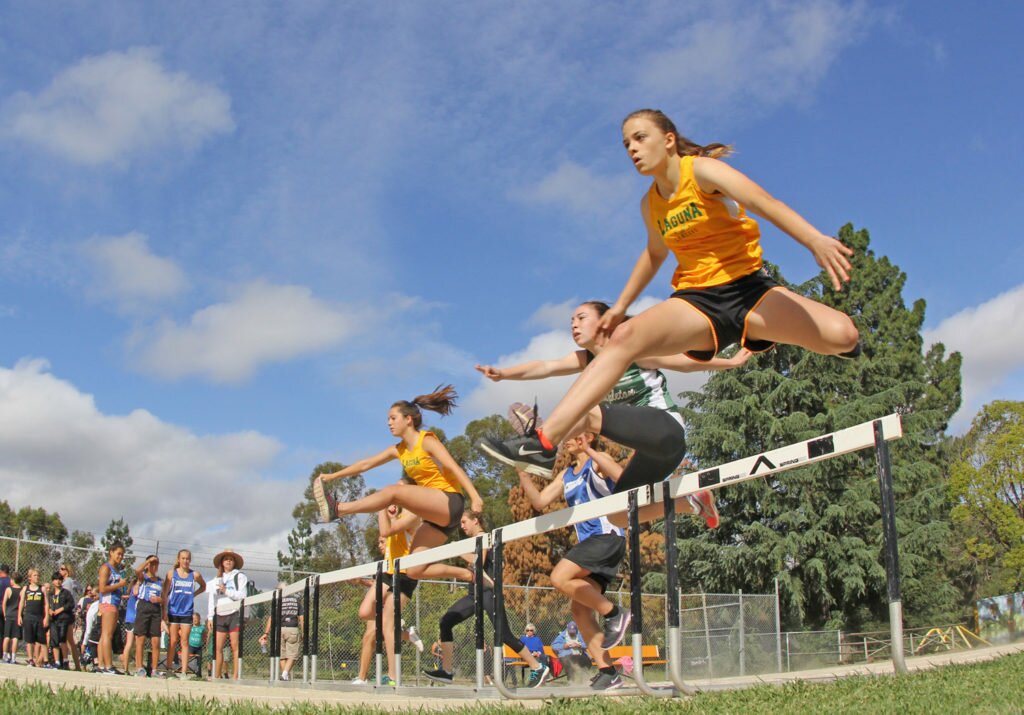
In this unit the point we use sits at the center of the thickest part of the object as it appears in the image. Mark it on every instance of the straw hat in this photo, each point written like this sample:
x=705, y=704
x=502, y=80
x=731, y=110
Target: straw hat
x=239, y=561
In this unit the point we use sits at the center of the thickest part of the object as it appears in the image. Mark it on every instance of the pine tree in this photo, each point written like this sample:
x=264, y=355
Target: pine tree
x=818, y=529
x=118, y=532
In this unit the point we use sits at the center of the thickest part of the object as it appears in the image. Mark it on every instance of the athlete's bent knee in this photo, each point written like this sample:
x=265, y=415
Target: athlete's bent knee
x=843, y=334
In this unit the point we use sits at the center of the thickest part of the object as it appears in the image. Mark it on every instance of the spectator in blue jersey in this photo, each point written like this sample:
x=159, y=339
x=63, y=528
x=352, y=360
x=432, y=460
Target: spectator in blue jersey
x=112, y=585
x=181, y=587
x=148, y=614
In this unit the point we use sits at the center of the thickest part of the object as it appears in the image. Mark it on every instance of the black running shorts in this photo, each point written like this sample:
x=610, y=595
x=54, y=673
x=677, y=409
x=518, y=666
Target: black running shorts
x=726, y=308
x=601, y=555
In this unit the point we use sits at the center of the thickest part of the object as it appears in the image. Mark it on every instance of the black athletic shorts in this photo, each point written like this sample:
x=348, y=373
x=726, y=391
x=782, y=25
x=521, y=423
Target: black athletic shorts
x=601, y=555
x=726, y=307
x=59, y=631
x=147, y=620
x=179, y=620
x=456, y=507
x=32, y=630
x=11, y=627
x=407, y=587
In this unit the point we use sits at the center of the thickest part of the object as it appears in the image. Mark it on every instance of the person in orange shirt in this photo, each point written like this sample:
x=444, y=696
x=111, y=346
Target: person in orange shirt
x=438, y=482
x=696, y=208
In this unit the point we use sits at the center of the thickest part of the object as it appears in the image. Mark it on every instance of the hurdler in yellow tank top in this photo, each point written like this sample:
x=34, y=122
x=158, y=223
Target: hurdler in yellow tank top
x=396, y=546
x=711, y=236
x=421, y=468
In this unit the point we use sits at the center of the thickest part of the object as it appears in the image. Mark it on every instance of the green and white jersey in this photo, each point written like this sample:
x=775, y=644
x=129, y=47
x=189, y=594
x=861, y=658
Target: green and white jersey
x=641, y=387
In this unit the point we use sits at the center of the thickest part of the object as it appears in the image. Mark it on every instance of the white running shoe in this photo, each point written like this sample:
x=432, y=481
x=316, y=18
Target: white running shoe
x=360, y=681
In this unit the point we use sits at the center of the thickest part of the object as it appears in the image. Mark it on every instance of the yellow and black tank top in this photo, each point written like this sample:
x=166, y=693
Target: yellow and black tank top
x=711, y=235
x=396, y=546
x=421, y=468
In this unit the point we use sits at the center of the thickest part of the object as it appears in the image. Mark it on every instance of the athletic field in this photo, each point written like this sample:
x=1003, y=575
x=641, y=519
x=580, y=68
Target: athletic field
x=981, y=681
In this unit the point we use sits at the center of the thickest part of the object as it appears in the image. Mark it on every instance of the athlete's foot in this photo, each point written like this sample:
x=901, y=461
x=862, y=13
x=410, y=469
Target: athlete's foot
x=538, y=676
x=325, y=501
x=439, y=676
x=703, y=504
x=526, y=453
x=851, y=354
x=523, y=418
x=606, y=681
x=614, y=628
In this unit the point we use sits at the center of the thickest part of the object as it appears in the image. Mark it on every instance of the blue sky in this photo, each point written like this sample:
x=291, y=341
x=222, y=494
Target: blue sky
x=232, y=235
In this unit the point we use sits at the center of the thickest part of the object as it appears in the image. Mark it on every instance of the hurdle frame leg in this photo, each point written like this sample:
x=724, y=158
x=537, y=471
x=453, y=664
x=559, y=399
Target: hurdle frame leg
x=890, y=538
x=675, y=649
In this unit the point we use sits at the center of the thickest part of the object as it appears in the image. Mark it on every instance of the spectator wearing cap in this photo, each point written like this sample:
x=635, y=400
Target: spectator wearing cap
x=572, y=651
x=223, y=613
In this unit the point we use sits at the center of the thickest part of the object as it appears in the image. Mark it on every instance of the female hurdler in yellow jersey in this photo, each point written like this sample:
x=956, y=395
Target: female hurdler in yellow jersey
x=436, y=495
x=695, y=209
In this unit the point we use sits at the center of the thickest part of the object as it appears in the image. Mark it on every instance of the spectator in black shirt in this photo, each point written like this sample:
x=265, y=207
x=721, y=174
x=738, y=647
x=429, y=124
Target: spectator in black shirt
x=291, y=638
x=61, y=605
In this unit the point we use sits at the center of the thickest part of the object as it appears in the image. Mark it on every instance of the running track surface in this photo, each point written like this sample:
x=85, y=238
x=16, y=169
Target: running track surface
x=262, y=693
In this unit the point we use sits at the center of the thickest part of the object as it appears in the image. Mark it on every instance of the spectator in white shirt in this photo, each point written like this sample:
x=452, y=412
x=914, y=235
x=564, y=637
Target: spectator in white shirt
x=223, y=612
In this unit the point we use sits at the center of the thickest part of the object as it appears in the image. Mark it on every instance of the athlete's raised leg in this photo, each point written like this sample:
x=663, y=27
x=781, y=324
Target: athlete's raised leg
x=782, y=316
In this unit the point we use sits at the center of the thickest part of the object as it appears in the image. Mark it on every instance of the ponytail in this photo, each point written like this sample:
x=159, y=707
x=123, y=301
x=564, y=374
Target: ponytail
x=441, y=400
x=684, y=146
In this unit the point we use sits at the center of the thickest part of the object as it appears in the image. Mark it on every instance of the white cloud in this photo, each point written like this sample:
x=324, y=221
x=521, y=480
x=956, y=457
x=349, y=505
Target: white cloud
x=989, y=336
x=553, y=316
x=59, y=451
x=768, y=54
x=228, y=342
x=578, y=189
x=109, y=108
x=129, y=274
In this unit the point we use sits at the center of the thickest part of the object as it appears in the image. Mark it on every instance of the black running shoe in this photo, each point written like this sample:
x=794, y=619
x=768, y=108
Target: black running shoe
x=439, y=676
x=526, y=453
x=615, y=628
x=604, y=681
x=852, y=354
x=326, y=502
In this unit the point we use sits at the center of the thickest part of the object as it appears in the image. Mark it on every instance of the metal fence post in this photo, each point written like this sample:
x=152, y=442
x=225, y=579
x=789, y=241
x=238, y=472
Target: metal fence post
x=743, y=654
x=707, y=633
x=890, y=537
x=778, y=629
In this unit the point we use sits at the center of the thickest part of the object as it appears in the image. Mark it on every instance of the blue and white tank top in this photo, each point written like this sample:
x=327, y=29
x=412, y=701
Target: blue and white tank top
x=150, y=586
x=181, y=601
x=583, y=487
x=129, y=611
x=112, y=597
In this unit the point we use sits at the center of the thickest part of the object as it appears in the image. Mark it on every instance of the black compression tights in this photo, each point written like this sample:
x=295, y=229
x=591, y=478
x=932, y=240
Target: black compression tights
x=462, y=610
x=657, y=437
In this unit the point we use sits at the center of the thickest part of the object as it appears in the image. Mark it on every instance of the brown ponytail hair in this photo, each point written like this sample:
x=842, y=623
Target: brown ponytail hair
x=441, y=400
x=684, y=146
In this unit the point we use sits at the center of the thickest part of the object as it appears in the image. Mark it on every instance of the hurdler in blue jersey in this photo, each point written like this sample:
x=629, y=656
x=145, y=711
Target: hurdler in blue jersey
x=585, y=572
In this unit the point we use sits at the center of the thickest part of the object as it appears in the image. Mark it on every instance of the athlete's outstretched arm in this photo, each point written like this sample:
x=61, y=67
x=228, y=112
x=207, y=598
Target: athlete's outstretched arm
x=432, y=445
x=540, y=498
x=716, y=176
x=605, y=463
x=363, y=465
x=537, y=369
x=681, y=363
x=644, y=270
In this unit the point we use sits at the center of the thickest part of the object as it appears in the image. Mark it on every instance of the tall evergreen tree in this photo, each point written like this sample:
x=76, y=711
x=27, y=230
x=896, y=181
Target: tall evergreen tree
x=818, y=529
x=118, y=532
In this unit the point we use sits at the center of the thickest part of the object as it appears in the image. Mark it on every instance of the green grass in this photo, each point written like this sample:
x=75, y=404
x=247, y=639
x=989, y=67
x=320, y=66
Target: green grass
x=992, y=687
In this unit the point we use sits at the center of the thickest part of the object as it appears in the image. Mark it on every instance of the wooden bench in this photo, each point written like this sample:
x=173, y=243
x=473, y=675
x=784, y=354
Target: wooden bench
x=650, y=654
